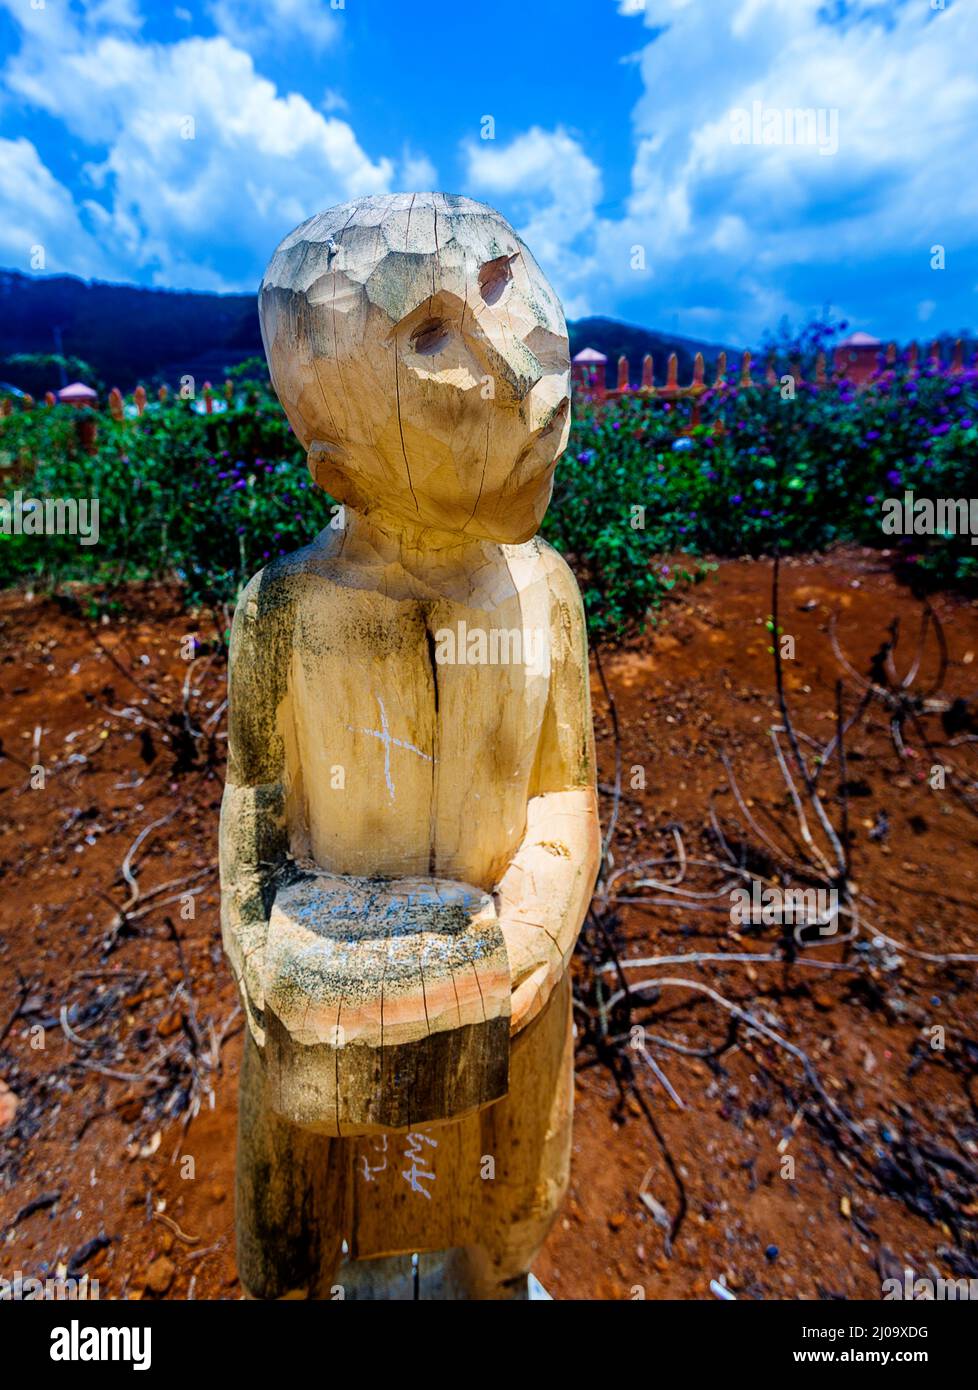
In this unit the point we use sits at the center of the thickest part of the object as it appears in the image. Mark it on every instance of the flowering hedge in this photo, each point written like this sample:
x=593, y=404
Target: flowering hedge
x=211, y=498
x=797, y=473
x=208, y=498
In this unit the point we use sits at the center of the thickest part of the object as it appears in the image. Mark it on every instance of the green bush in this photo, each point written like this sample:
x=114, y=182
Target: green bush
x=796, y=473
x=207, y=498
x=210, y=498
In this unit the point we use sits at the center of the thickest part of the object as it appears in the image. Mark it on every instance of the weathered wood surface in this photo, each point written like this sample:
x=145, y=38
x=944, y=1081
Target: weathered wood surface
x=387, y=1005
x=409, y=833
x=486, y=1188
x=492, y=1182
x=422, y=359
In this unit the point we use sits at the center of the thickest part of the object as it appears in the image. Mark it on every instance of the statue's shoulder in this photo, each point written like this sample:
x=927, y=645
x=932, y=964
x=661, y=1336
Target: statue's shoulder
x=549, y=565
x=271, y=603
x=288, y=582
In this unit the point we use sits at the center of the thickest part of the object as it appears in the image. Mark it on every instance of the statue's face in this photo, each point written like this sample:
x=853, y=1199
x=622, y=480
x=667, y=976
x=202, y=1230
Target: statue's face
x=422, y=359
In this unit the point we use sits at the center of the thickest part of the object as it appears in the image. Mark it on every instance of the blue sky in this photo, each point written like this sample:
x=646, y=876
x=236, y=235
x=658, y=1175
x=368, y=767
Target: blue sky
x=647, y=150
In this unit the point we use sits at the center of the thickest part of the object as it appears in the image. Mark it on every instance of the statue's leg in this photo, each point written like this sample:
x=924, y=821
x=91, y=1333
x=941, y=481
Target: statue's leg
x=528, y=1137
x=290, y=1198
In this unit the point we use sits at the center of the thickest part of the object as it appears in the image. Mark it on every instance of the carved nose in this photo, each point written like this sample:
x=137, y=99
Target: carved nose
x=514, y=372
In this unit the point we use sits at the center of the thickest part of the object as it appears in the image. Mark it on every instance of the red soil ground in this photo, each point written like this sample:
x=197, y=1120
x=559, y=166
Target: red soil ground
x=101, y=1129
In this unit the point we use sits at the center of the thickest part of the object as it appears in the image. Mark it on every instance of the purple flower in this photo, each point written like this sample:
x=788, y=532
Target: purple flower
x=893, y=477
x=736, y=499
x=940, y=429
x=872, y=434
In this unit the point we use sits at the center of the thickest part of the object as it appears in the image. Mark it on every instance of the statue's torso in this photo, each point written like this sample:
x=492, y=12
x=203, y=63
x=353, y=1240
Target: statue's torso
x=400, y=761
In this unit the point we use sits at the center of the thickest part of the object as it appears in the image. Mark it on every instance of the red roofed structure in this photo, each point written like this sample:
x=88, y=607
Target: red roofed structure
x=857, y=358
x=77, y=394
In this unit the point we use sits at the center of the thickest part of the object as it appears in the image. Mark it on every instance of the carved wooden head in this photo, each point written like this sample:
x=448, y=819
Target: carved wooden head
x=422, y=359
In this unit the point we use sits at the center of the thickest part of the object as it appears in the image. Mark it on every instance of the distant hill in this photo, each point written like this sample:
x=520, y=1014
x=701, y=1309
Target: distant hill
x=616, y=339
x=131, y=335
x=128, y=334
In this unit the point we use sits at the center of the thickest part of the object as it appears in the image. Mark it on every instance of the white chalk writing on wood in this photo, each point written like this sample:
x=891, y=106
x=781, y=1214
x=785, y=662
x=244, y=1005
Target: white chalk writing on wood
x=379, y=1146
x=417, y=1159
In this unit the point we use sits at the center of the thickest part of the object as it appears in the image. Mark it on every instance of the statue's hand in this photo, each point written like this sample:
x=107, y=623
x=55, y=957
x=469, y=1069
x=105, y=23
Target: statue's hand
x=244, y=943
x=543, y=895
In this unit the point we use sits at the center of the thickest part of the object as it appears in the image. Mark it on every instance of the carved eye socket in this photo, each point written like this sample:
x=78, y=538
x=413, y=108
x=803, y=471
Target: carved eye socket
x=430, y=337
x=494, y=276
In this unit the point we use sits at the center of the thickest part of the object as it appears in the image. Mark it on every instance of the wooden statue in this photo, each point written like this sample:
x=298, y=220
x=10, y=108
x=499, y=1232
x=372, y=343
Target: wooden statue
x=409, y=833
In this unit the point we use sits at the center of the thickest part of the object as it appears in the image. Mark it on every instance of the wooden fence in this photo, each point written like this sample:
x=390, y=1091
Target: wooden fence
x=862, y=373
x=115, y=402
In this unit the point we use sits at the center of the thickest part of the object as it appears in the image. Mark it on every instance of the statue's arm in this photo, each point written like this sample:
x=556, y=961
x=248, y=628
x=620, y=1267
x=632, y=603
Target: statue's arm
x=544, y=893
x=254, y=846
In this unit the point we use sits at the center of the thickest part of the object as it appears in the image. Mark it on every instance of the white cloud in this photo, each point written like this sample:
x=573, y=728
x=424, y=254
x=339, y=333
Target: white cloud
x=191, y=212
x=252, y=24
x=36, y=211
x=121, y=14
x=554, y=187
x=731, y=235
x=417, y=174
x=743, y=233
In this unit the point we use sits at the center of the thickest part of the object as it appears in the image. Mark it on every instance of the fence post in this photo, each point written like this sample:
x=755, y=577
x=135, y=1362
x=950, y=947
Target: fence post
x=623, y=373
x=648, y=373
x=86, y=428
